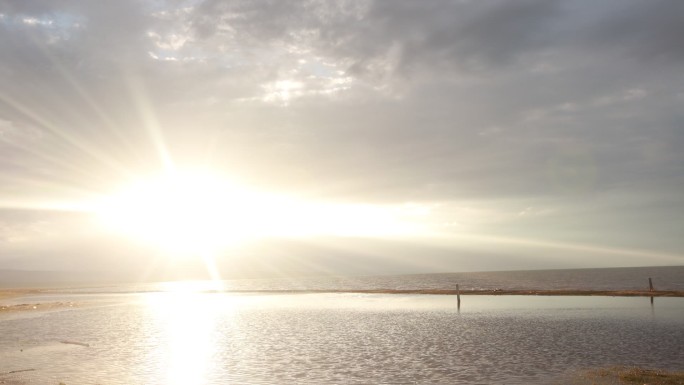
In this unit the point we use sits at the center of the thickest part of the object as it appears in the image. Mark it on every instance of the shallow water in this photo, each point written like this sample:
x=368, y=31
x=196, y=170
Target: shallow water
x=218, y=338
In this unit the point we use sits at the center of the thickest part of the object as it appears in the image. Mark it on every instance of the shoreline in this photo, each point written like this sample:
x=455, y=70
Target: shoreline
x=10, y=294
x=28, y=305
x=496, y=292
x=7, y=294
x=555, y=292
x=629, y=375
x=37, y=306
x=14, y=293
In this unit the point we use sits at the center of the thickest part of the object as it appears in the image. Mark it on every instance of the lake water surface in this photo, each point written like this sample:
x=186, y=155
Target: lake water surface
x=186, y=337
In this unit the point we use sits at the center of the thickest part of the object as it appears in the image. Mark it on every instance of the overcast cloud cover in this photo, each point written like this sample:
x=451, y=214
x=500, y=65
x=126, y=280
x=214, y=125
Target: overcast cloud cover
x=534, y=134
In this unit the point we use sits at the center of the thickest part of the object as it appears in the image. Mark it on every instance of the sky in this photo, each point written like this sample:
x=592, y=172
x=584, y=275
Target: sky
x=362, y=137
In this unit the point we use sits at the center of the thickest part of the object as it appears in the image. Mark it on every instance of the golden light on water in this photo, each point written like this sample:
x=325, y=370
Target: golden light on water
x=190, y=346
x=188, y=322
x=192, y=329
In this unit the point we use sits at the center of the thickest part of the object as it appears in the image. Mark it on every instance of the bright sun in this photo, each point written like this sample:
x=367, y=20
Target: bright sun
x=183, y=211
x=198, y=212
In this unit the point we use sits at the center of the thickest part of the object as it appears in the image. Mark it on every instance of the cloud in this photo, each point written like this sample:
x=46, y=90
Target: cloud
x=646, y=32
x=505, y=105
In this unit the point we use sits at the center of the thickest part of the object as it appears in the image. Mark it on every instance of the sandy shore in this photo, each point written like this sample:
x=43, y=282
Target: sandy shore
x=605, y=293
x=13, y=293
x=7, y=294
x=628, y=376
x=36, y=306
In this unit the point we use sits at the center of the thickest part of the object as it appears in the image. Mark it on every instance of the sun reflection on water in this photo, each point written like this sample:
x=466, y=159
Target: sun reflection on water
x=188, y=323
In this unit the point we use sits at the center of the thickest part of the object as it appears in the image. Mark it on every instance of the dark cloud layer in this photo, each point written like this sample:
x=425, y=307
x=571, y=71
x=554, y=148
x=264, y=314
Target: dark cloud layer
x=557, y=108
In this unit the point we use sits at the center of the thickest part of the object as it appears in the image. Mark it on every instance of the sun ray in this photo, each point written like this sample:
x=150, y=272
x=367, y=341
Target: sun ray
x=71, y=139
x=150, y=120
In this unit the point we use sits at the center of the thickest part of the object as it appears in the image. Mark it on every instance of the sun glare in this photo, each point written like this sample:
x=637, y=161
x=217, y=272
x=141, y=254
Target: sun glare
x=197, y=212
x=182, y=211
x=188, y=323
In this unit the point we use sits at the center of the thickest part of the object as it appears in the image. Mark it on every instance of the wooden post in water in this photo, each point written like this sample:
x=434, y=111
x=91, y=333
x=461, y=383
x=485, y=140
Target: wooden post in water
x=650, y=288
x=458, y=297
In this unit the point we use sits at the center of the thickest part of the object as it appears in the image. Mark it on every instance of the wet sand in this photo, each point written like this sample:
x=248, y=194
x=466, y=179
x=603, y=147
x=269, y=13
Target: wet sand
x=36, y=306
x=629, y=376
x=13, y=293
x=605, y=293
x=7, y=294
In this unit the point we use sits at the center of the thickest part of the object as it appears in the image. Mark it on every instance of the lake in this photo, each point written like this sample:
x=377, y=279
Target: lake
x=192, y=337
